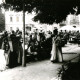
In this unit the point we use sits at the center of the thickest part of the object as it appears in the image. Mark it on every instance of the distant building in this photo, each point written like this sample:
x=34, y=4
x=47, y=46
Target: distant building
x=14, y=20
x=73, y=20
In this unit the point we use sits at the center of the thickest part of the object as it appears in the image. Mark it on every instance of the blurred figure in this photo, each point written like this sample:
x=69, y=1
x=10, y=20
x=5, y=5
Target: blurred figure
x=56, y=52
x=7, y=47
x=59, y=57
x=65, y=36
x=32, y=46
x=61, y=33
x=17, y=31
x=15, y=46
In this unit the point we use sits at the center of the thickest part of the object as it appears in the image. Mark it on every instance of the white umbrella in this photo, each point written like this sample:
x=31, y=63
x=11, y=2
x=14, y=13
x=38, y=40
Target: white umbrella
x=77, y=28
x=67, y=28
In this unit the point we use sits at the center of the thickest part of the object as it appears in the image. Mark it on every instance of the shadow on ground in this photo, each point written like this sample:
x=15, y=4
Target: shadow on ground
x=72, y=73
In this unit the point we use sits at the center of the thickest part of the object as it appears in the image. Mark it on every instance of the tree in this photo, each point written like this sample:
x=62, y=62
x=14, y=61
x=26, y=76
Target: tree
x=48, y=11
x=2, y=20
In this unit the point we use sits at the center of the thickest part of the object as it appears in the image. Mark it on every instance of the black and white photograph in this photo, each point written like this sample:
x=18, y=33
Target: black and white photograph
x=39, y=39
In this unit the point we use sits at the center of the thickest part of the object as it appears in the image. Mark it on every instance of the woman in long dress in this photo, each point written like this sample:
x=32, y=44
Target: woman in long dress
x=7, y=47
x=53, y=51
x=59, y=49
x=15, y=53
x=56, y=52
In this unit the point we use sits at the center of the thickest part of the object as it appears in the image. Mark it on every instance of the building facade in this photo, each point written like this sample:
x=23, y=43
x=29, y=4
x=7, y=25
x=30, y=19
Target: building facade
x=14, y=20
x=73, y=20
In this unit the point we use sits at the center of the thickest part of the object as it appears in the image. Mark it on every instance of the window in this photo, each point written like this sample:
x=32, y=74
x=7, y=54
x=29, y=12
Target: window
x=17, y=19
x=10, y=19
x=11, y=29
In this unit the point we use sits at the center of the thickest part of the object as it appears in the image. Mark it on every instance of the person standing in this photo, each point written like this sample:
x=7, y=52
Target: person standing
x=59, y=57
x=7, y=47
x=14, y=54
x=53, y=51
x=56, y=52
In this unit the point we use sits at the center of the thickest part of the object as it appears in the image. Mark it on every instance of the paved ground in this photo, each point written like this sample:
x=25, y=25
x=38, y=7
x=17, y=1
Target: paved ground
x=40, y=70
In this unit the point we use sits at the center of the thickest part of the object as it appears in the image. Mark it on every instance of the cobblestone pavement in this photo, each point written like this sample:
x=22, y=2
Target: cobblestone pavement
x=40, y=70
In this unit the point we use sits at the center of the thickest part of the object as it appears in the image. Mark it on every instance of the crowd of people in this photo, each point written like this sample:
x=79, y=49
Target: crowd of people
x=39, y=45
x=11, y=46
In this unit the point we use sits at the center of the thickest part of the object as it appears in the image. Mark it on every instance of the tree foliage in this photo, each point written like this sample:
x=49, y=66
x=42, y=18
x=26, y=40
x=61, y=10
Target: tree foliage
x=48, y=11
x=2, y=21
